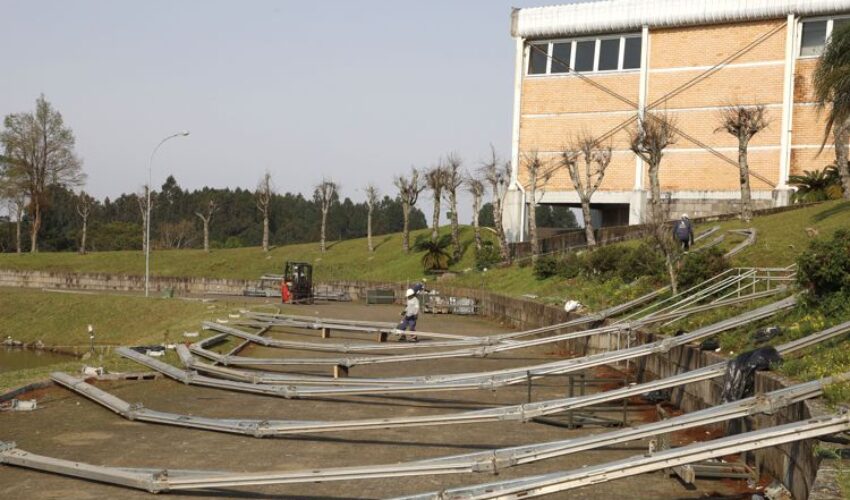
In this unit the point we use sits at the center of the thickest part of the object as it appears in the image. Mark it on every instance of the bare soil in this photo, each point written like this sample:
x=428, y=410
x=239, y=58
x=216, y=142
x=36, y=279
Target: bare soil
x=70, y=427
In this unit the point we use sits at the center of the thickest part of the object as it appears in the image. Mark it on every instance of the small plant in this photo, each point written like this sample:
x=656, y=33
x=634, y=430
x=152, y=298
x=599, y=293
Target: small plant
x=437, y=256
x=700, y=266
x=487, y=256
x=545, y=267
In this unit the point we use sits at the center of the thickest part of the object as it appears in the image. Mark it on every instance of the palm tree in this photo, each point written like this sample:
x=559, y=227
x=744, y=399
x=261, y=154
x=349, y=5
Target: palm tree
x=437, y=256
x=832, y=90
x=817, y=185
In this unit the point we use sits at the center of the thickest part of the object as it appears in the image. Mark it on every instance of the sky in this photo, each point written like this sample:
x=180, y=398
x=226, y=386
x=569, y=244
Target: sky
x=355, y=91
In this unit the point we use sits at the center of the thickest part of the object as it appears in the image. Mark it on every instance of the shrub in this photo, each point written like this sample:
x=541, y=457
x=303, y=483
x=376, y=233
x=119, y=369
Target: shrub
x=604, y=262
x=545, y=267
x=488, y=256
x=824, y=268
x=640, y=261
x=700, y=266
x=232, y=242
x=570, y=265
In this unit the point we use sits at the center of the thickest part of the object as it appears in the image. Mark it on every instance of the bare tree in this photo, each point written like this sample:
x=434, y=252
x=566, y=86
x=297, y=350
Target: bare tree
x=409, y=189
x=596, y=161
x=538, y=176
x=39, y=149
x=179, y=234
x=372, y=195
x=263, y=194
x=744, y=122
x=497, y=177
x=652, y=135
x=13, y=193
x=325, y=194
x=476, y=188
x=206, y=217
x=453, y=180
x=142, y=199
x=435, y=180
x=84, y=207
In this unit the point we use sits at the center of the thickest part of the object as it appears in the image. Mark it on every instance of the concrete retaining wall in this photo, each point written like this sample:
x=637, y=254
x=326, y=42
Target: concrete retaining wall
x=114, y=282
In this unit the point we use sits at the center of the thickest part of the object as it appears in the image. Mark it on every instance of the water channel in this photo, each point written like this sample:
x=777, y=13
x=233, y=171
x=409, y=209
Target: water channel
x=16, y=358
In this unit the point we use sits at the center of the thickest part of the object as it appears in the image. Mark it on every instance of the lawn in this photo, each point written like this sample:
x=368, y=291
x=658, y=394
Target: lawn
x=60, y=320
x=344, y=260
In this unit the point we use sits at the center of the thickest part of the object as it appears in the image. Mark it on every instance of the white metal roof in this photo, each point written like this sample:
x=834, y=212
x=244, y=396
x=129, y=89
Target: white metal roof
x=629, y=15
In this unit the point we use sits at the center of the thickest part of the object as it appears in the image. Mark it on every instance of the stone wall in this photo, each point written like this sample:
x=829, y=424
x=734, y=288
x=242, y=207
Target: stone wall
x=123, y=283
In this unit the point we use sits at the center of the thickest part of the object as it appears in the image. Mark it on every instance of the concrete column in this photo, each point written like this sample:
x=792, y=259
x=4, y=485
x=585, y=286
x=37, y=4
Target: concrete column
x=782, y=194
x=513, y=215
x=637, y=207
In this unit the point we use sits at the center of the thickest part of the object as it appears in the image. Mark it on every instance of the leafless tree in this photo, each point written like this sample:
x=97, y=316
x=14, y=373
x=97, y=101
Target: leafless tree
x=651, y=136
x=497, y=175
x=263, y=194
x=84, y=207
x=325, y=194
x=453, y=180
x=39, y=149
x=409, y=189
x=538, y=176
x=372, y=195
x=206, y=217
x=596, y=159
x=744, y=122
x=476, y=188
x=142, y=200
x=435, y=180
x=17, y=207
x=176, y=234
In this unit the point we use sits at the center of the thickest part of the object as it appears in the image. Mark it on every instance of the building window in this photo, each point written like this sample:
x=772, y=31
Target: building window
x=538, y=57
x=586, y=55
x=816, y=33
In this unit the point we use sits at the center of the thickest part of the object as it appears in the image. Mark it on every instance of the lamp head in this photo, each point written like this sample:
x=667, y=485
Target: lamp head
x=184, y=133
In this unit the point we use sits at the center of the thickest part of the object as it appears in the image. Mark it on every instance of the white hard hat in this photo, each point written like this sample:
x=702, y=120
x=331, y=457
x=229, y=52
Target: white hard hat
x=410, y=293
x=684, y=216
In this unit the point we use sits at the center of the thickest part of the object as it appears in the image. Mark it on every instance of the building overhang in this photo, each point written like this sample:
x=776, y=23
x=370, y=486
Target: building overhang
x=603, y=16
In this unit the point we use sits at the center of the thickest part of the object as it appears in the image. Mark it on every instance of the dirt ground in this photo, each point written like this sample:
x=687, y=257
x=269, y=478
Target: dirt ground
x=70, y=427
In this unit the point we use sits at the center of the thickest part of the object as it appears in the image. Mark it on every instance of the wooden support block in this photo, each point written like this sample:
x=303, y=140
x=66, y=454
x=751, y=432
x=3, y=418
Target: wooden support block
x=382, y=336
x=340, y=371
x=326, y=332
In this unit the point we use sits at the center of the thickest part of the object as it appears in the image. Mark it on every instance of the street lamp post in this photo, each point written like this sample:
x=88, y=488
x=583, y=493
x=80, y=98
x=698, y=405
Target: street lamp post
x=182, y=133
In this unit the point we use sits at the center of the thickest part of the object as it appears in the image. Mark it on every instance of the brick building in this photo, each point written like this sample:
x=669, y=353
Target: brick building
x=586, y=68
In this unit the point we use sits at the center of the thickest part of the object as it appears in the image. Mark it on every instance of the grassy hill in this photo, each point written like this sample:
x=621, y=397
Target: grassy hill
x=349, y=259
x=780, y=238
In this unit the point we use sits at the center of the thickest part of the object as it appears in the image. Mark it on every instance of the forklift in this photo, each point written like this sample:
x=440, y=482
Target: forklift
x=296, y=287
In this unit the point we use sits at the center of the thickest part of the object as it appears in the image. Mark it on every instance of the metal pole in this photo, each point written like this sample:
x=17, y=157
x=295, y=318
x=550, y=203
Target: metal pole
x=148, y=211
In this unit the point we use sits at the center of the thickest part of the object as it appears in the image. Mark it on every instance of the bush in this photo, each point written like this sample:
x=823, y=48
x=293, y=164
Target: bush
x=232, y=242
x=567, y=266
x=640, y=261
x=604, y=262
x=700, y=266
x=824, y=268
x=488, y=256
x=545, y=267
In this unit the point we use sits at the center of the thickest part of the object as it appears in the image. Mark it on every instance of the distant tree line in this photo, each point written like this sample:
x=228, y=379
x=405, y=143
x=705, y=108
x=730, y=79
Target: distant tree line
x=116, y=224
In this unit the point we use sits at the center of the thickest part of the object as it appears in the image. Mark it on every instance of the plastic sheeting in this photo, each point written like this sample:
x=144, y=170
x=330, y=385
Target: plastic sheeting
x=739, y=381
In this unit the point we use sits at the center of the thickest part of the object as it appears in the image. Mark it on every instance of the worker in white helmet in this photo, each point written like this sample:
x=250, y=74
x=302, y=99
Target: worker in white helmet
x=409, y=316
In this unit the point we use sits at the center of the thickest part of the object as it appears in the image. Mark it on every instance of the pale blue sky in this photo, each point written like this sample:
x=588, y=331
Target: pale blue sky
x=356, y=91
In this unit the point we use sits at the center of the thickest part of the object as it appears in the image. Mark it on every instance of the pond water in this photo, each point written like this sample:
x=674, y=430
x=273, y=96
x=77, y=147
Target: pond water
x=12, y=358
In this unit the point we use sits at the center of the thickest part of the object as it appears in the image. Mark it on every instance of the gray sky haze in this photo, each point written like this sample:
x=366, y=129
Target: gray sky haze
x=356, y=91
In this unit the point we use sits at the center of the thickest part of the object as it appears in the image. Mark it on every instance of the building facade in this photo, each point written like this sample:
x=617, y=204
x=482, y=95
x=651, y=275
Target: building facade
x=592, y=68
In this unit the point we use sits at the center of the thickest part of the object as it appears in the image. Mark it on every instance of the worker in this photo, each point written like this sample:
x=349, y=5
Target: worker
x=684, y=232
x=409, y=316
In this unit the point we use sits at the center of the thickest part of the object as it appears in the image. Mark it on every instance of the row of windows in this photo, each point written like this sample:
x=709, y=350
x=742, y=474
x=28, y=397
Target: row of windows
x=816, y=33
x=598, y=54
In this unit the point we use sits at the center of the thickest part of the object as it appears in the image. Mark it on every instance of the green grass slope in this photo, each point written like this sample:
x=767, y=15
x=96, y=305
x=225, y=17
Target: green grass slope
x=343, y=260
